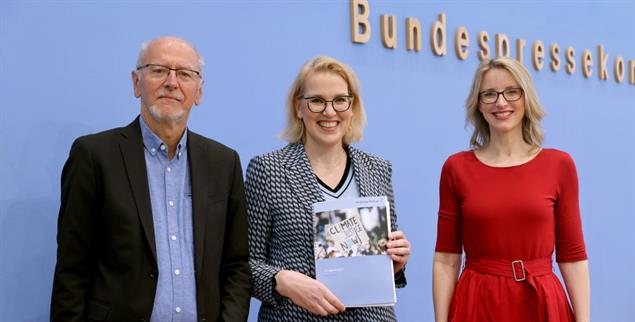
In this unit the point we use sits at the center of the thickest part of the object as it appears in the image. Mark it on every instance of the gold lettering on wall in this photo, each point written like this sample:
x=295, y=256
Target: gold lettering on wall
x=413, y=39
x=555, y=57
x=537, y=55
x=361, y=33
x=520, y=47
x=570, y=52
x=618, y=69
x=389, y=31
x=587, y=63
x=483, y=37
x=360, y=26
x=437, y=36
x=502, y=45
x=461, y=43
x=603, y=58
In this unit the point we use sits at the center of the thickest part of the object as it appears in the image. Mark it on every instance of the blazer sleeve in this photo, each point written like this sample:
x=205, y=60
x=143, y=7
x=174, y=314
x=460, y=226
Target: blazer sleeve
x=260, y=225
x=234, y=276
x=400, y=277
x=75, y=235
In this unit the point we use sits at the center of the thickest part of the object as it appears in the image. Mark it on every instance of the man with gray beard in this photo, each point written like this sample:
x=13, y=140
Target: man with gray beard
x=152, y=223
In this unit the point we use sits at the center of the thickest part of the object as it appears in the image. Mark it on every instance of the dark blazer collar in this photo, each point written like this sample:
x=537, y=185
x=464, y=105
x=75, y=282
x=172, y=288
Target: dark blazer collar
x=131, y=146
x=201, y=166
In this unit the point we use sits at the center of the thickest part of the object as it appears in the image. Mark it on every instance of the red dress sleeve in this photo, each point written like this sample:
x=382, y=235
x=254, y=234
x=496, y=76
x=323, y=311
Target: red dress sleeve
x=569, y=240
x=450, y=221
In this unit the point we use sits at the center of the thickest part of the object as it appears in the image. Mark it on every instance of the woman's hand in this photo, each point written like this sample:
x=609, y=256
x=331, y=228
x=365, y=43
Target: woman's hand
x=399, y=249
x=308, y=293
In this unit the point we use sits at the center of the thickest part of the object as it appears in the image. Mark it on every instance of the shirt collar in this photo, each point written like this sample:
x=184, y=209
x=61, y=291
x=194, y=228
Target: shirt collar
x=155, y=145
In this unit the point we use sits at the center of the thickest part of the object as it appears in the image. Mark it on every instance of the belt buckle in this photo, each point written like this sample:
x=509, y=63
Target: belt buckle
x=522, y=268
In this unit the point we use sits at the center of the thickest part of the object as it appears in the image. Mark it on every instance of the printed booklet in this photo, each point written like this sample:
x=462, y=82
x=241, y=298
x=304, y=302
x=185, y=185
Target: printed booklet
x=350, y=237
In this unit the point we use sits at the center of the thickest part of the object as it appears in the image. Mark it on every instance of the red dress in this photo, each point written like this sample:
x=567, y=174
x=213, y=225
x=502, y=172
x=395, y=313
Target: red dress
x=498, y=215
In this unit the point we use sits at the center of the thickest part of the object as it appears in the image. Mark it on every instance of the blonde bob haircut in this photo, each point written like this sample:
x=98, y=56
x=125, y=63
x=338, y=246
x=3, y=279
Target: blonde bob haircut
x=294, y=129
x=534, y=112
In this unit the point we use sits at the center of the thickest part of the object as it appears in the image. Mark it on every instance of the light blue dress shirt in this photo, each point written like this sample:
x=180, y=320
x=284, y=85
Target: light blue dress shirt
x=171, y=198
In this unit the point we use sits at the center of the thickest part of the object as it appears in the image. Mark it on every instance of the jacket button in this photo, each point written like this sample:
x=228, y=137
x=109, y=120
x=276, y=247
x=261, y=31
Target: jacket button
x=153, y=275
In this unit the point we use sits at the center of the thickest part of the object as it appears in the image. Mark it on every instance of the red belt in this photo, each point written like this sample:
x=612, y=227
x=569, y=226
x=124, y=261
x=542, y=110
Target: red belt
x=521, y=271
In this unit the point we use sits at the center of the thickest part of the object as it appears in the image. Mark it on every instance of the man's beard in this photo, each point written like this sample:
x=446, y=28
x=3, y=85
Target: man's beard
x=159, y=114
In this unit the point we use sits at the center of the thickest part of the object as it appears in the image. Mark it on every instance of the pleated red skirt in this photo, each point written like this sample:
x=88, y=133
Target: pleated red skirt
x=490, y=290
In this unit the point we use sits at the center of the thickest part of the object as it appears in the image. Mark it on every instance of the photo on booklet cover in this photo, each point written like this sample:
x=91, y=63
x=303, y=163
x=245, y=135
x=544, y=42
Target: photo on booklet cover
x=351, y=232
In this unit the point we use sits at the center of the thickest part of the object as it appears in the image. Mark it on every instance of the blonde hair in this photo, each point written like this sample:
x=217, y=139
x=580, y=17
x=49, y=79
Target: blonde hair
x=534, y=112
x=294, y=129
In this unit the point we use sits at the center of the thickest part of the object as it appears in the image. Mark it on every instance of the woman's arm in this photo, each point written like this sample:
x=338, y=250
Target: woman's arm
x=270, y=283
x=570, y=249
x=260, y=229
x=445, y=272
x=576, y=278
x=398, y=246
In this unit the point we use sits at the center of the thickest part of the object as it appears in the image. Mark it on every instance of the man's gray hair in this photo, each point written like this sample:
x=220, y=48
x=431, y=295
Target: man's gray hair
x=145, y=45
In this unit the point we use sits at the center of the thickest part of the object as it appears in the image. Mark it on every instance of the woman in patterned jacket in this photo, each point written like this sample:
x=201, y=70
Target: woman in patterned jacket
x=324, y=116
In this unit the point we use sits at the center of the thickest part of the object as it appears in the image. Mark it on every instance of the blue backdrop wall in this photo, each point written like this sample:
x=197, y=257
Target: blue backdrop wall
x=65, y=71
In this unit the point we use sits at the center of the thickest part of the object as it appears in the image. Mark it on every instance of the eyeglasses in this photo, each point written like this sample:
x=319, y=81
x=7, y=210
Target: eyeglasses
x=510, y=94
x=317, y=104
x=160, y=73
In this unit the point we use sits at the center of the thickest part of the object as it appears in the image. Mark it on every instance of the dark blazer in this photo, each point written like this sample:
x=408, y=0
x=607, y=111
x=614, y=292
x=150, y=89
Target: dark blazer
x=281, y=189
x=106, y=257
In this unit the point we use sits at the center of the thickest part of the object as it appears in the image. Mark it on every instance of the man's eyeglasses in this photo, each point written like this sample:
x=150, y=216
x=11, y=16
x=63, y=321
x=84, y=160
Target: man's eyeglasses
x=160, y=73
x=317, y=104
x=510, y=94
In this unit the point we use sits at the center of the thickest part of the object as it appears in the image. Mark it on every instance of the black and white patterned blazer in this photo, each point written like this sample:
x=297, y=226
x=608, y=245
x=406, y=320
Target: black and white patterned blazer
x=281, y=189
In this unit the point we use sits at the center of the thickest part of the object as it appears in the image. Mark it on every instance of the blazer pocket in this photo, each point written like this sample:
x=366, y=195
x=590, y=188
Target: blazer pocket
x=96, y=311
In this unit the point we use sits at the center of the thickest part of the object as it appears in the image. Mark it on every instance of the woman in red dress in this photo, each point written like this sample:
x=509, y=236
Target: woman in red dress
x=508, y=203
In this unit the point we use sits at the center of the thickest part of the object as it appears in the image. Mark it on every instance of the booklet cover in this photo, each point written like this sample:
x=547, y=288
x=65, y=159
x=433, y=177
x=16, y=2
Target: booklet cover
x=350, y=237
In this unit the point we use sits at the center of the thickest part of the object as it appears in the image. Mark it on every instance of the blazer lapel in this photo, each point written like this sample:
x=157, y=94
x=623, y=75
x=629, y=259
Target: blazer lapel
x=301, y=178
x=131, y=145
x=200, y=166
x=362, y=172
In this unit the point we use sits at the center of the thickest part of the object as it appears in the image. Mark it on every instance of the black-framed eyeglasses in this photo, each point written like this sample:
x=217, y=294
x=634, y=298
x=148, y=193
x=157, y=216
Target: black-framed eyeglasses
x=317, y=104
x=510, y=94
x=160, y=73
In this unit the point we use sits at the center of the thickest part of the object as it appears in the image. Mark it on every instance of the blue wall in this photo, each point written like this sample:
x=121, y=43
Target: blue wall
x=65, y=71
